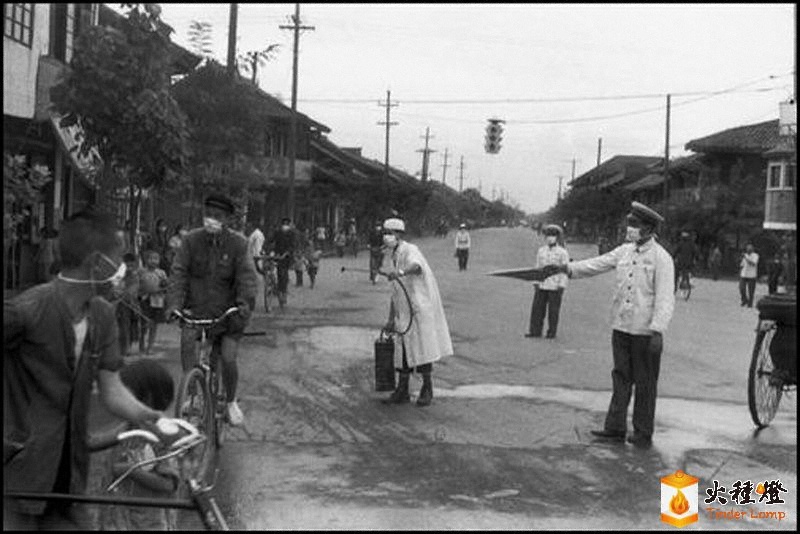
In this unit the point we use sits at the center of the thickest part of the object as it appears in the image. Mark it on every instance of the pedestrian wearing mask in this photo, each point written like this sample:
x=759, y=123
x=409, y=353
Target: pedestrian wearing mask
x=58, y=339
x=283, y=243
x=427, y=339
x=463, y=244
x=548, y=293
x=641, y=310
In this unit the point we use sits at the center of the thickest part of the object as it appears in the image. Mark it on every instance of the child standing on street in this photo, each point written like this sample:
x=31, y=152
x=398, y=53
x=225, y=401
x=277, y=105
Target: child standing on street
x=153, y=287
x=152, y=385
x=313, y=258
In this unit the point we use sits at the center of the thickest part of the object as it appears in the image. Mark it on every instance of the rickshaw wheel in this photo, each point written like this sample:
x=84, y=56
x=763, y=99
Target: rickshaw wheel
x=762, y=396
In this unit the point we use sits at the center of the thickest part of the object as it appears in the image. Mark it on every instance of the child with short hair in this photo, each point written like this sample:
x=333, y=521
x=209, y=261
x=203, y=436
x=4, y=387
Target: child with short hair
x=312, y=259
x=153, y=287
x=151, y=384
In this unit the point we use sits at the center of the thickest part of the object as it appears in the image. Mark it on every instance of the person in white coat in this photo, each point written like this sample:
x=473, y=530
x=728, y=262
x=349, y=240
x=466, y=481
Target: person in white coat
x=463, y=243
x=421, y=332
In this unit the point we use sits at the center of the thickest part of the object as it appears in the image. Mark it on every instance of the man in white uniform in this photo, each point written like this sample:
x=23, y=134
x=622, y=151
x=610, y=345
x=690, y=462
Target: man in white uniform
x=422, y=335
x=640, y=312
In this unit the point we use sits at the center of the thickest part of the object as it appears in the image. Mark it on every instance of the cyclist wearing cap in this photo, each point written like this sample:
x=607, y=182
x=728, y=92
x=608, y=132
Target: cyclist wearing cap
x=211, y=273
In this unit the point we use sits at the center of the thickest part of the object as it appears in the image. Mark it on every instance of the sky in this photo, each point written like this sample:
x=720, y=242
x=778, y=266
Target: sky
x=562, y=76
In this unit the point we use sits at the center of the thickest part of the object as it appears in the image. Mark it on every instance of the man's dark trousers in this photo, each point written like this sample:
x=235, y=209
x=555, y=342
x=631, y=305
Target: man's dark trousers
x=747, y=288
x=549, y=300
x=634, y=364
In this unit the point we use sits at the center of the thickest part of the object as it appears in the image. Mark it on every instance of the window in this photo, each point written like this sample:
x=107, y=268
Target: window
x=19, y=23
x=789, y=177
x=774, y=180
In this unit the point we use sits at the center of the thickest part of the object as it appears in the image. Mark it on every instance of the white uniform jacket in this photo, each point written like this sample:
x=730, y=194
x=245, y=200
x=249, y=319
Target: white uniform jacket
x=644, y=295
x=428, y=339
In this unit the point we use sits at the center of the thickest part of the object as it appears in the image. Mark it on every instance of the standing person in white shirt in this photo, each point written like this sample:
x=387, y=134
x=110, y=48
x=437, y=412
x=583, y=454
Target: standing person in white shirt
x=463, y=244
x=748, y=272
x=640, y=312
x=548, y=293
x=255, y=242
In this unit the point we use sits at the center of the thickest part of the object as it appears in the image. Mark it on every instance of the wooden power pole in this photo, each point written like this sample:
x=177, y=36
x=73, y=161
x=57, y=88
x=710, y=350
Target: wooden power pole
x=296, y=27
x=461, y=175
x=444, y=168
x=666, y=161
x=232, y=19
x=425, y=153
x=388, y=124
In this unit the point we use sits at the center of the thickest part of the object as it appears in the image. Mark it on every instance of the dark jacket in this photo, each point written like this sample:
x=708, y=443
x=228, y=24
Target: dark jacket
x=42, y=394
x=212, y=272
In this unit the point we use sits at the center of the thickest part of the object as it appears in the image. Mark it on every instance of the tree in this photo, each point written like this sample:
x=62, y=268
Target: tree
x=200, y=38
x=117, y=89
x=250, y=61
x=22, y=186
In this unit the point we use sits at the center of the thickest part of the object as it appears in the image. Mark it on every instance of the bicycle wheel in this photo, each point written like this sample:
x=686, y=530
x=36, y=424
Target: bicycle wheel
x=194, y=404
x=220, y=404
x=762, y=397
x=685, y=288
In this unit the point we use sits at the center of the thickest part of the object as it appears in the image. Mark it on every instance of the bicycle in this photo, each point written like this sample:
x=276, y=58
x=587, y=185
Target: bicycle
x=685, y=284
x=269, y=271
x=201, y=397
x=199, y=499
x=770, y=374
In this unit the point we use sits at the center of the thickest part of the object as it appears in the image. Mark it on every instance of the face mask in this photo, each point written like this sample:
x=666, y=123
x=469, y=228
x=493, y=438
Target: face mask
x=552, y=240
x=285, y=228
x=212, y=225
x=633, y=234
x=114, y=281
x=390, y=240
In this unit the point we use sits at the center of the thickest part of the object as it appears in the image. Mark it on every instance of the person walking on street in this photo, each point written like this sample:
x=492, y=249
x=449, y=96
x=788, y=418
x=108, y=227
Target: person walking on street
x=748, y=272
x=375, y=251
x=427, y=339
x=283, y=243
x=642, y=307
x=255, y=243
x=684, y=257
x=152, y=292
x=128, y=310
x=212, y=272
x=463, y=244
x=715, y=262
x=58, y=339
x=549, y=292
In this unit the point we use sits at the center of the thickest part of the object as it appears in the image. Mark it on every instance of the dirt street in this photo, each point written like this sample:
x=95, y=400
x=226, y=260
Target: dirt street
x=506, y=443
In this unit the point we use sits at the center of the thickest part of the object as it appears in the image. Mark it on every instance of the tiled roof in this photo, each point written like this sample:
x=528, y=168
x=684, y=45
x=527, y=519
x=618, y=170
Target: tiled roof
x=614, y=170
x=753, y=138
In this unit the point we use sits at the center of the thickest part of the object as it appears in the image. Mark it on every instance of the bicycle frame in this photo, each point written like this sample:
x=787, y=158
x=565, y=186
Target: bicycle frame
x=200, y=500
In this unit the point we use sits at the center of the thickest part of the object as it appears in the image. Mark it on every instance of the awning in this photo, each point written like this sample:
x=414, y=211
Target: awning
x=69, y=140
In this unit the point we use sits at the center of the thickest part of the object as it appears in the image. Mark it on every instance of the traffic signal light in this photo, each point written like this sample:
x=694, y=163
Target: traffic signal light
x=494, y=134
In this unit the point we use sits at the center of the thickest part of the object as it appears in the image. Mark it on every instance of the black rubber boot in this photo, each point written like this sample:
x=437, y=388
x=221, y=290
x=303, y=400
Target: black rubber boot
x=400, y=394
x=426, y=391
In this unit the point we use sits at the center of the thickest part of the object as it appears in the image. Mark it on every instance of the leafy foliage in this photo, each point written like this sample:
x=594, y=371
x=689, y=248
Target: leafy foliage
x=21, y=188
x=200, y=38
x=117, y=90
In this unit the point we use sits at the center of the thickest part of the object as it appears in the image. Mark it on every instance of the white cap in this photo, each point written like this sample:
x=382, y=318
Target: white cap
x=394, y=224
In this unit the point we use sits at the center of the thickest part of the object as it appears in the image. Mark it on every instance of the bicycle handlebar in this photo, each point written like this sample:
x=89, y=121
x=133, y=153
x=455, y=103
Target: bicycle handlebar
x=189, y=321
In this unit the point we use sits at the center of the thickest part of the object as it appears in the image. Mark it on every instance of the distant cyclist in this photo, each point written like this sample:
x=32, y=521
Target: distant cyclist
x=684, y=257
x=211, y=273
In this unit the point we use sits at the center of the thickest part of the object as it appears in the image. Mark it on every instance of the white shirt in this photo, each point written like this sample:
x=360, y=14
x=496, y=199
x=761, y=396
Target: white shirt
x=462, y=240
x=644, y=296
x=749, y=265
x=255, y=242
x=555, y=255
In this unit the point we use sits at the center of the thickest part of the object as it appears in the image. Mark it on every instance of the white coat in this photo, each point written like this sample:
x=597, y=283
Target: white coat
x=428, y=339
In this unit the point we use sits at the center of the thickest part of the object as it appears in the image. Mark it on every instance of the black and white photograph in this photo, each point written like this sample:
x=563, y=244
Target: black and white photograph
x=389, y=266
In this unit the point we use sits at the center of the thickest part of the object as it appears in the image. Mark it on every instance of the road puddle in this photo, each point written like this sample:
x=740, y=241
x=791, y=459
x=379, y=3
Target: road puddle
x=681, y=424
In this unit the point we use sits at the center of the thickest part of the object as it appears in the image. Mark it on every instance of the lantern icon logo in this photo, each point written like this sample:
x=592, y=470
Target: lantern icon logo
x=679, y=499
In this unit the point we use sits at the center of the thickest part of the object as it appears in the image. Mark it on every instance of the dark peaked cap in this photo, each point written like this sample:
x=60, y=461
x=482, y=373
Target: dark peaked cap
x=220, y=201
x=646, y=214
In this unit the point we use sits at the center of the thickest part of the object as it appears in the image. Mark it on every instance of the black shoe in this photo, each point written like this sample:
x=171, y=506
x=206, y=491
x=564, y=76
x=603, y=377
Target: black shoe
x=533, y=335
x=609, y=434
x=550, y=336
x=644, y=442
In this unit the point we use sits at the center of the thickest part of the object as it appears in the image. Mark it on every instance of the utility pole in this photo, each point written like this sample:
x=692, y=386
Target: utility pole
x=560, y=178
x=425, y=152
x=666, y=161
x=388, y=124
x=461, y=175
x=232, y=18
x=599, y=146
x=573, y=169
x=444, y=168
x=296, y=27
